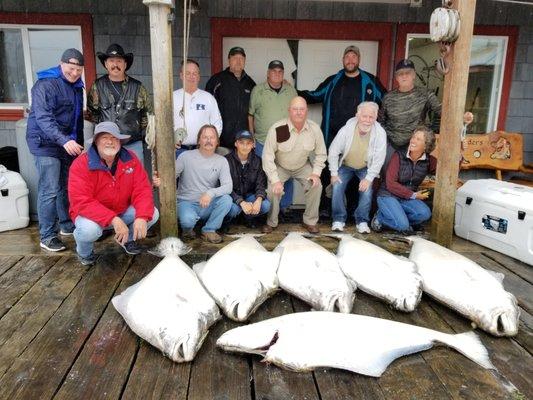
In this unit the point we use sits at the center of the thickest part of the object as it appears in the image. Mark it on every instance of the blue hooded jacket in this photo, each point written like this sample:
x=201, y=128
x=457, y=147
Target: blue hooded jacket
x=56, y=114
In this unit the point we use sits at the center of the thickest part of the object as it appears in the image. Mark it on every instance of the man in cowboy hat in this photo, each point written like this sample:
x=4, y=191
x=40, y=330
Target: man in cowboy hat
x=109, y=190
x=119, y=98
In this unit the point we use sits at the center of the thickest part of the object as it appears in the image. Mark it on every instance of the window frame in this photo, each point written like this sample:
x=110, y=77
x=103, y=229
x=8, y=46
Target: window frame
x=511, y=32
x=82, y=22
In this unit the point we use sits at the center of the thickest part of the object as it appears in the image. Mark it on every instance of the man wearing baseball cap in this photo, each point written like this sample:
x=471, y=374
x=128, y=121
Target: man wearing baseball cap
x=406, y=107
x=249, y=181
x=232, y=88
x=109, y=189
x=55, y=136
x=118, y=97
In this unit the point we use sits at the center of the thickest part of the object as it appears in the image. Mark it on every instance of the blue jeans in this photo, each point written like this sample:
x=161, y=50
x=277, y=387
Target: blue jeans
x=88, y=231
x=189, y=212
x=52, y=198
x=338, y=199
x=236, y=209
x=137, y=148
x=401, y=214
x=288, y=188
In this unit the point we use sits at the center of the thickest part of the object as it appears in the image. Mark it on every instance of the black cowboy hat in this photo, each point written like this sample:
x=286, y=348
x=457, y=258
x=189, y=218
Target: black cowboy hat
x=116, y=50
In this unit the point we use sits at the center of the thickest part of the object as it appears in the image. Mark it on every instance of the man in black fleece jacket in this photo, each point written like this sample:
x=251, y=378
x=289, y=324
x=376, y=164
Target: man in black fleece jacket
x=249, y=181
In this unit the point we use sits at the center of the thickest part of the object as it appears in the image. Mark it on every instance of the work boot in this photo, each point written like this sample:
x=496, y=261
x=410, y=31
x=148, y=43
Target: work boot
x=212, y=237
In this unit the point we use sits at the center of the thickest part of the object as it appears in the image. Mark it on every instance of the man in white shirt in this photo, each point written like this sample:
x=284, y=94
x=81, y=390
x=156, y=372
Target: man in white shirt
x=200, y=109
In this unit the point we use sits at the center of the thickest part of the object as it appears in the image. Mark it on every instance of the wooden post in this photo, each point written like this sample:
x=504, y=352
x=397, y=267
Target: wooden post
x=453, y=107
x=161, y=51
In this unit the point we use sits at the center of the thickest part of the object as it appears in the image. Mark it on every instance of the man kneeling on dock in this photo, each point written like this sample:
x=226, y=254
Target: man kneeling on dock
x=109, y=189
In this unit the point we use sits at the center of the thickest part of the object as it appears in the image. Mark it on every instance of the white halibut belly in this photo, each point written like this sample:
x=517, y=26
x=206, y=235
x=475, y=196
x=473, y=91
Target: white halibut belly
x=311, y=273
x=366, y=345
x=465, y=287
x=240, y=277
x=170, y=309
x=381, y=274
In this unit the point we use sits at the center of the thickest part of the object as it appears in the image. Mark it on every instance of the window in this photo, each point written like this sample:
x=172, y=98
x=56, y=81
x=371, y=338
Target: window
x=26, y=50
x=485, y=78
x=491, y=67
x=30, y=43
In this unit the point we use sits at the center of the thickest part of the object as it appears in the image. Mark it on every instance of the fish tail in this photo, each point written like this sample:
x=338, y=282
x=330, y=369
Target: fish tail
x=469, y=345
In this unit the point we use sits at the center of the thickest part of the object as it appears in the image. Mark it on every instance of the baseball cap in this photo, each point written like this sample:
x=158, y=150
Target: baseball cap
x=70, y=54
x=244, y=135
x=275, y=64
x=354, y=49
x=404, y=64
x=236, y=50
x=111, y=128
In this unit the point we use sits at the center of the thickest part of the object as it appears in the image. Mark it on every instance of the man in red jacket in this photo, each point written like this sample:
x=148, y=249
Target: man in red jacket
x=109, y=189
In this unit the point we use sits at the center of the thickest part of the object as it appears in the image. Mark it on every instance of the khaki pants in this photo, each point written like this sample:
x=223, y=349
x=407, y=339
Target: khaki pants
x=312, y=195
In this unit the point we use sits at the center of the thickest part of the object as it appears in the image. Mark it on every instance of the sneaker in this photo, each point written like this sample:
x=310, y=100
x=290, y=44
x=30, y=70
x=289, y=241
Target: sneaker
x=66, y=232
x=337, y=226
x=87, y=261
x=212, y=237
x=131, y=248
x=53, y=244
x=375, y=224
x=362, y=227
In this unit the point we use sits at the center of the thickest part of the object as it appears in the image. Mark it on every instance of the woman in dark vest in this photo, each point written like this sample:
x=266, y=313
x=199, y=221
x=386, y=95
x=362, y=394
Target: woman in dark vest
x=400, y=204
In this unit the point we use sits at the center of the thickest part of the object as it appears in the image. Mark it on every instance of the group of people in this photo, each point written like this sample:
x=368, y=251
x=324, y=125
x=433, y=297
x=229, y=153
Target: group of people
x=239, y=146
x=268, y=141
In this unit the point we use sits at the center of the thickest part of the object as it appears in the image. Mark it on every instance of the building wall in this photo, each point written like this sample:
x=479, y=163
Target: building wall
x=126, y=22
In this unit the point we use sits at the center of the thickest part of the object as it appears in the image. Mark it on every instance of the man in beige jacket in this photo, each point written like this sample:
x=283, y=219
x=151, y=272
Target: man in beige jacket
x=294, y=148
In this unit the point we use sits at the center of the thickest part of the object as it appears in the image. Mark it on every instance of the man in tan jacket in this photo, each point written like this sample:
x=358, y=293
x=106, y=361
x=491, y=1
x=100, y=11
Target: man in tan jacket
x=294, y=148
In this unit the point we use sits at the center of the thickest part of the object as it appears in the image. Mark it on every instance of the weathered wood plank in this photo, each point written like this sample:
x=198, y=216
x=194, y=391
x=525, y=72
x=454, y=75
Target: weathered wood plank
x=6, y=262
x=218, y=375
x=335, y=384
x=525, y=331
x=512, y=361
x=39, y=370
x=270, y=381
x=512, y=283
x=24, y=321
x=521, y=269
x=21, y=277
x=104, y=363
x=153, y=375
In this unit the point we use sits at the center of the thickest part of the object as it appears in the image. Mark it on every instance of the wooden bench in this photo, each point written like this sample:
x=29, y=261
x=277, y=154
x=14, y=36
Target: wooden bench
x=499, y=151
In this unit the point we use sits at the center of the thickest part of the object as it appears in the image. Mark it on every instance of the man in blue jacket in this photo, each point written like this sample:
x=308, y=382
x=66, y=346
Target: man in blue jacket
x=55, y=136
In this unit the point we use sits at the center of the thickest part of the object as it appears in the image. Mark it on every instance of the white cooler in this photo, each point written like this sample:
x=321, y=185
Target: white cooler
x=14, y=204
x=498, y=215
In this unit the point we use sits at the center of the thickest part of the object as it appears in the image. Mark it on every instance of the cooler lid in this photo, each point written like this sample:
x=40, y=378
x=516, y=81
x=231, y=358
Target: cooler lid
x=501, y=193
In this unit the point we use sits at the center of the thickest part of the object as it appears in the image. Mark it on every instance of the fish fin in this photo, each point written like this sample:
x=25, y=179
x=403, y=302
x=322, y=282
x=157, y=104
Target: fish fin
x=469, y=345
x=497, y=275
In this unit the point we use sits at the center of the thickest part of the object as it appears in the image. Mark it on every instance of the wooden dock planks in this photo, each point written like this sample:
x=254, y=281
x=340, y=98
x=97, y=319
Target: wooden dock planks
x=40, y=369
x=61, y=337
x=28, y=316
